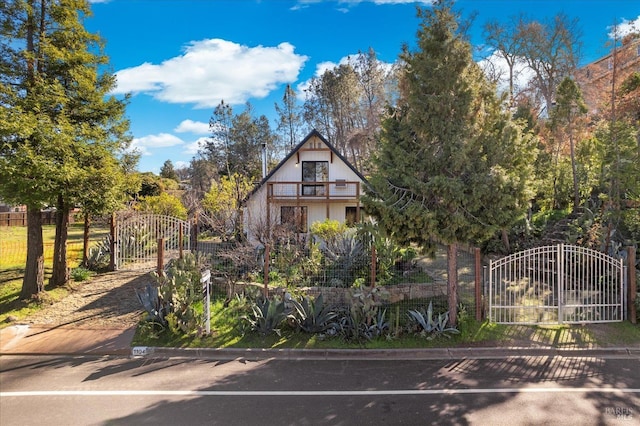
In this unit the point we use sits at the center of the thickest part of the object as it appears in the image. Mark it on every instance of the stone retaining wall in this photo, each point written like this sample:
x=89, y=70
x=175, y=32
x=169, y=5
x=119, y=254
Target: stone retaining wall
x=338, y=295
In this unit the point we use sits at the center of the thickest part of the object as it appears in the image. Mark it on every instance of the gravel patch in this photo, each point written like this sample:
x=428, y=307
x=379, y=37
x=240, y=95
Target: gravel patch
x=105, y=301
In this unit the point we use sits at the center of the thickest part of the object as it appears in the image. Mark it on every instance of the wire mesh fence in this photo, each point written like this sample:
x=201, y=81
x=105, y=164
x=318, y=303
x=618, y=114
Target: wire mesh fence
x=13, y=255
x=403, y=279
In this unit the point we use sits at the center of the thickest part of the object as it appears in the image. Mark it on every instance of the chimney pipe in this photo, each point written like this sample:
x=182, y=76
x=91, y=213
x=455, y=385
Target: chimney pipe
x=264, y=160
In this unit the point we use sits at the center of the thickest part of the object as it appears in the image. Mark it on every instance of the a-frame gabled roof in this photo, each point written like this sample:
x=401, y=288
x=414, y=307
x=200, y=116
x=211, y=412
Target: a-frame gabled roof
x=313, y=133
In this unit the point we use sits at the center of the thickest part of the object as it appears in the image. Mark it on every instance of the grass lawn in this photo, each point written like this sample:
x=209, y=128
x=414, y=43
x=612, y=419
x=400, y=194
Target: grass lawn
x=227, y=332
x=13, y=253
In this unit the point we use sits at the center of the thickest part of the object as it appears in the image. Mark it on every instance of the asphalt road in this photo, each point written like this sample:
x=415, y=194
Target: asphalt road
x=521, y=390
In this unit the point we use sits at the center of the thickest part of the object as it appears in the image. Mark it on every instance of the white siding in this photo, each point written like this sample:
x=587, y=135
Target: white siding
x=291, y=171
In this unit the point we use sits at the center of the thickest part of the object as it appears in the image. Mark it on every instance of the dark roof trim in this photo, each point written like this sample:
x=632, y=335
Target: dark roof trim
x=313, y=133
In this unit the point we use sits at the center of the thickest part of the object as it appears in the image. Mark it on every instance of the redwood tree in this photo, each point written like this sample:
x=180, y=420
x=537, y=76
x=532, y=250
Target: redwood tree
x=59, y=127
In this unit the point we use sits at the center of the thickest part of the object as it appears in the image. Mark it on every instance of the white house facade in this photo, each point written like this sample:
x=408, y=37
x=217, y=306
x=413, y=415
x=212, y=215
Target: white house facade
x=313, y=183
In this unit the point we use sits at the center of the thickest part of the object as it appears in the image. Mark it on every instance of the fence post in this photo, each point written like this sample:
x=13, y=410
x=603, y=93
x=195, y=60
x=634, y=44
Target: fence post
x=160, y=266
x=194, y=241
x=633, y=285
x=266, y=271
x=374, y=261
x=180, y=240
x=205, y=280
x=112, y=243
x=478, y=281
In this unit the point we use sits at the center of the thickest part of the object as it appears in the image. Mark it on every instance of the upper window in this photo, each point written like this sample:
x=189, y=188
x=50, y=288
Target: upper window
x=314, y=171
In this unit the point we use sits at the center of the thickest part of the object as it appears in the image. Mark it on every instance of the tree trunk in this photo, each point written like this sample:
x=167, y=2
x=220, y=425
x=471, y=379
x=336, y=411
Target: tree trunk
x=574, y=171
x=505, y=240
x=452, y=283
x=85, y=239
x=60, y=275
x=33, y=282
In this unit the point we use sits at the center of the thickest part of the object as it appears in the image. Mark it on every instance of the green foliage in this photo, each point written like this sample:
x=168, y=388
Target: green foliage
x=328, y=230
x=222, y=205
x=176, y=298
x=81, y=274
x=99, y=257
x=450, y=162
x=266, y=316
x=61, y=133
x=168, y=172
x=364, y=320
x=346, y=258
x=156, y=308
x=313, y=316
x=163, y=204
x=430, y=326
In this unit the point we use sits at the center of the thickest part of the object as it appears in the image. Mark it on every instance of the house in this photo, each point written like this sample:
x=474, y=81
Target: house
x=312, y=183
x=596, y=79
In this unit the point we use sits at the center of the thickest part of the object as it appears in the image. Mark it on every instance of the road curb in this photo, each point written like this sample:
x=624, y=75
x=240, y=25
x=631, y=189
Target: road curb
x=378, y=354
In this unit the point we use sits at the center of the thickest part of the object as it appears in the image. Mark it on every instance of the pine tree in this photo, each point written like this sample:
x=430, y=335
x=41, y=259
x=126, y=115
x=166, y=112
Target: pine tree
x=451, y=165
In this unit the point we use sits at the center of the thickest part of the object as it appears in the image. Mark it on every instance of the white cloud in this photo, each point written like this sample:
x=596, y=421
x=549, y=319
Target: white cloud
x=181, y=164
x=190, y=126
x=213, y=70
x=162, y=140
x=194, y=147
x=495, y=66
x=624, y=28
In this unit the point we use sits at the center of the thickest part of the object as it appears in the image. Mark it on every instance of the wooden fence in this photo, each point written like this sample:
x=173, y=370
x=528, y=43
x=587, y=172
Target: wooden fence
x=20, y=218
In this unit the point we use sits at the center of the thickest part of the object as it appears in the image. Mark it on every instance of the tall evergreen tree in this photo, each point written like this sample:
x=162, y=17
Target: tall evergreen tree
x=290, y=125
x=59, y=128
x=451, y=165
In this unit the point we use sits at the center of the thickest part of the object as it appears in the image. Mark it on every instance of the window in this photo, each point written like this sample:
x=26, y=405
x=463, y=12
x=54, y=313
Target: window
x=314, y=171
x=294, y=217
x=351, y=215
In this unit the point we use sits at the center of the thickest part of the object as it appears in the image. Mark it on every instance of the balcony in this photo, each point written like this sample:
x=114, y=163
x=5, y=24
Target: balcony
x=310, y=192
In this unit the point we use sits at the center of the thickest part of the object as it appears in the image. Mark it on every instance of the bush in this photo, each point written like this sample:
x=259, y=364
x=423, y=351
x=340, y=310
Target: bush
x=176, y=300
x=81, y=274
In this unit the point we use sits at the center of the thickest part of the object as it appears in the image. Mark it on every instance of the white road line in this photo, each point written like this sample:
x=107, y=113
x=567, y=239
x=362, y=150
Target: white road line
x=312, y=393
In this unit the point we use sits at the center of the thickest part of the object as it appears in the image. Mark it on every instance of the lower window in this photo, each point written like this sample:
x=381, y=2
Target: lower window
x=295, y=217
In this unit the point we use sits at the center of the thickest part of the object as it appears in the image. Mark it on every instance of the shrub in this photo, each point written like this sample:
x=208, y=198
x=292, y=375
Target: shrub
x=175, y=300
x=81, y=274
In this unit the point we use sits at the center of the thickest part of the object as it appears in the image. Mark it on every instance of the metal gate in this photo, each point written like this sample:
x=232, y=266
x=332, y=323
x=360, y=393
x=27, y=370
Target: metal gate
x=555, y=285
x=139, y=239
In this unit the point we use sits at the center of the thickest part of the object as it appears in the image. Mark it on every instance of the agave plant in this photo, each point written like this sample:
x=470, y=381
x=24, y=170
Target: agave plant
x=313, y=316
x=266, y=315
x=150, y=299
x=431, y=326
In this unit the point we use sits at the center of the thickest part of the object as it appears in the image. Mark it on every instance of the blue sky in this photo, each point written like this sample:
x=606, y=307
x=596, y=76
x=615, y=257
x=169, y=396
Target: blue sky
x=180, y=58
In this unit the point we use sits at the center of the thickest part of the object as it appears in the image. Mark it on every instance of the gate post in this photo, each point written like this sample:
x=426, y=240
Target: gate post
x=160, y=266
x=560, y=282
x=112, y=243
x=478, y=282
x=633, y=285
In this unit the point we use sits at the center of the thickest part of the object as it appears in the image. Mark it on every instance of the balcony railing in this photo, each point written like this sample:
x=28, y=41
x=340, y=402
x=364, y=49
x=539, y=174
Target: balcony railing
x=339, y=190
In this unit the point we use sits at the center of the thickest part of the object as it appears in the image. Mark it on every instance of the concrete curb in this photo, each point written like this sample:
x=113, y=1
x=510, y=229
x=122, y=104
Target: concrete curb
x=378, y=354
x=24, y=339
